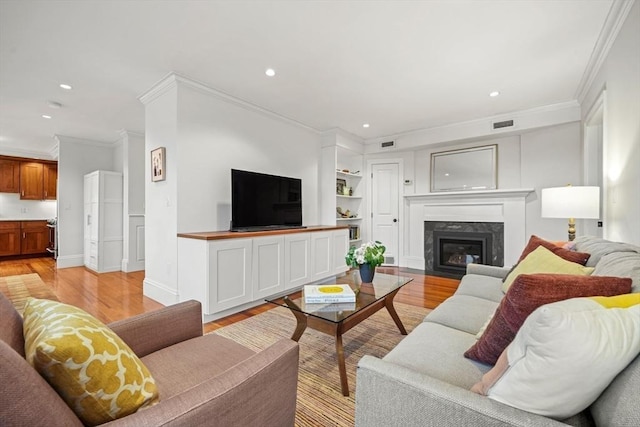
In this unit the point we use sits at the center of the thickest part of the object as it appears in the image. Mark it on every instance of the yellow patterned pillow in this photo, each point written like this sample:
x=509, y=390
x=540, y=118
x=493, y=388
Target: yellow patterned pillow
x=89, y=366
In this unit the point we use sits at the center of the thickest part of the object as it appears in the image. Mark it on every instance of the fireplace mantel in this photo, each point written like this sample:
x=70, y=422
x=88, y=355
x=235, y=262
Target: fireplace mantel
x=476, y=194
x=506, y=205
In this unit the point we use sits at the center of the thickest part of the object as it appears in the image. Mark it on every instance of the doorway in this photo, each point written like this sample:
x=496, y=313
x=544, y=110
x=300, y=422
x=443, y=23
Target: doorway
x=385, y=190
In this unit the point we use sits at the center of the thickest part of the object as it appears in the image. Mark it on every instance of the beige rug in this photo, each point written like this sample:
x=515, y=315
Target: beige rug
x=320, y=401
x=19, y=288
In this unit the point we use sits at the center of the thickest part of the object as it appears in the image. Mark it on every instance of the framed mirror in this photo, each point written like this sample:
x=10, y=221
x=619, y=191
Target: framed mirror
x=465, y=170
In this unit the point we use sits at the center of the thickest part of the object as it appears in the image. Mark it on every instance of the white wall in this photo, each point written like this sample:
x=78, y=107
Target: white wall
x=620, y=76
x=75, y=159
x=550, y=157
x=205, y=136
x=11, y=207
x=133, y=168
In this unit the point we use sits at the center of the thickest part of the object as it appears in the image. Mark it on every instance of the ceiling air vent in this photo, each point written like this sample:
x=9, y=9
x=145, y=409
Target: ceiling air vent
x=387, y=144
x=504, y=124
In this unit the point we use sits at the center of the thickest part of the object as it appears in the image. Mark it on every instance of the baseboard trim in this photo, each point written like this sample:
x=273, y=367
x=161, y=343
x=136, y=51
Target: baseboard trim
x=69, y=261
x=159, y=292
x=128, y=267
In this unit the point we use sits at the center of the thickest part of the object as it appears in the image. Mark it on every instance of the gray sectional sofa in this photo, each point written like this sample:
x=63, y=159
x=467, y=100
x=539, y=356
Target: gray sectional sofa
x=425, y=380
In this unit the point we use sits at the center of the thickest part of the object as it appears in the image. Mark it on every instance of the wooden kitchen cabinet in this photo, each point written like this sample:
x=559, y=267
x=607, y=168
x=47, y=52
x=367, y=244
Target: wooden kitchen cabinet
x=9, y=176
x=35, y=237
x=31, y=181
x=50, y=183
x=10, y=238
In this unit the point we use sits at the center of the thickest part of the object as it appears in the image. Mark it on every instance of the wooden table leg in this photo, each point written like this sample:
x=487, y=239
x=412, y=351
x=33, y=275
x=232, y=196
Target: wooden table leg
x=388, y=302
x=301, y=320
x=344, y=384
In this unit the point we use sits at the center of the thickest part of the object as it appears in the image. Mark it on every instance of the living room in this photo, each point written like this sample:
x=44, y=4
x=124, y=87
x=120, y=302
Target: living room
x=206, y=132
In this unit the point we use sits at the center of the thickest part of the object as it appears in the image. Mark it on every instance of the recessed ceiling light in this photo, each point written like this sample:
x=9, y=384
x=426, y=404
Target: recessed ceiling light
x=366, y=125
x=44, y=116
x=270, y=72
x=494, y=94
x=65, y=86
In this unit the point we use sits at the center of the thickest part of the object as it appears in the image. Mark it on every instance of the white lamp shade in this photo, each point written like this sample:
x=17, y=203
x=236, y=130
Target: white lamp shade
x=571, y=202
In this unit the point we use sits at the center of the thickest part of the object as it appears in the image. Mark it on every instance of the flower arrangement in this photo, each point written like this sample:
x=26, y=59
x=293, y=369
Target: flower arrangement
x=371, y=253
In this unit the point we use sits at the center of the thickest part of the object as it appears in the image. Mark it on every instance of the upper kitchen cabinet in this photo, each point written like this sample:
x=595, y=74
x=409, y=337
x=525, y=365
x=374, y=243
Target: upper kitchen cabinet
x=31, y=181
x=9, y=176
x=50, y=183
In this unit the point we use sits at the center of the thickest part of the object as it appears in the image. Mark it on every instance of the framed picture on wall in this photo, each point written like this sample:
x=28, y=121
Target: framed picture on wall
x=158, y=164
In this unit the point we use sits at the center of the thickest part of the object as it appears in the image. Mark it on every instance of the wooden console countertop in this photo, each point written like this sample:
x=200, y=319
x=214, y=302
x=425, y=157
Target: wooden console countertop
x=221, y=235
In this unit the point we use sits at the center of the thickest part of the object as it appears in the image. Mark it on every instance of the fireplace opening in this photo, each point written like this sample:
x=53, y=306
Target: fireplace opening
x=454, y=250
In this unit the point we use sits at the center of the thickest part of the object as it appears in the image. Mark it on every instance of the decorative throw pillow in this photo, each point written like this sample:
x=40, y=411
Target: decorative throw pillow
x=90, y=367
x=542, y=260
x=565, y=355
x=560, y=250
x=530, y=291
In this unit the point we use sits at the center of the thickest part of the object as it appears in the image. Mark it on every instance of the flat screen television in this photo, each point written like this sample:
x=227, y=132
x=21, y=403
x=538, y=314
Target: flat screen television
x=263, y=202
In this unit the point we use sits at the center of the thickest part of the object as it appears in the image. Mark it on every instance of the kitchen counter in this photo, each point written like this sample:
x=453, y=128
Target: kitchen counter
x=24, y=219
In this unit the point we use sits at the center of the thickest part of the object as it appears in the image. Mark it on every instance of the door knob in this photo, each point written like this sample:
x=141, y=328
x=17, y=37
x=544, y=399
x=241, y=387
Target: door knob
x=395, y=220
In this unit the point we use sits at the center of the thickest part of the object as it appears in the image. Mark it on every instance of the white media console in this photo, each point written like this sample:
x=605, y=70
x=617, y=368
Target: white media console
x=229, y=272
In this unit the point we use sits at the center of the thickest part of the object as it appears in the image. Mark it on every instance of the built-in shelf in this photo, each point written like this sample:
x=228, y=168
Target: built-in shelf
x=348, y=219
x=345, y=174
x=355, y=240
x=340, y=196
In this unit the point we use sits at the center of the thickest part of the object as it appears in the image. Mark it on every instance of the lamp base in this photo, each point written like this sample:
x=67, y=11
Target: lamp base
x=572, y=229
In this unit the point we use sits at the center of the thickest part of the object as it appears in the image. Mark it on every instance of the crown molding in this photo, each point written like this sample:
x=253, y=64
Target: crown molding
x=7, y=150
x=126, y=133
x=613, y=23
x=173, y=80
x=547, y=115
x=71, y=139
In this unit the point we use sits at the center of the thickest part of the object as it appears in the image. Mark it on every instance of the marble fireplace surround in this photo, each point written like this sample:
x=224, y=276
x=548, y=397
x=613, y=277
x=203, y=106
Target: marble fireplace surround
x=507, y=206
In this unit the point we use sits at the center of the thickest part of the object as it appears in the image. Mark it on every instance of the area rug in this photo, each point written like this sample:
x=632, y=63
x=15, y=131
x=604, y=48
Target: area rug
x=320, y=401
x=19, y=288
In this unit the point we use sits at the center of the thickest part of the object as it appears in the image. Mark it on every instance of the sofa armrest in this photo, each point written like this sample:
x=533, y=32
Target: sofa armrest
x=488, y=270
x=392, y=395
x=149, y=332
x=259, y=391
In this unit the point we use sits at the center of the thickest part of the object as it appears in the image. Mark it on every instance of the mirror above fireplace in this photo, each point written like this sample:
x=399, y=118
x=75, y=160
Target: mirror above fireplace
x=465, y=170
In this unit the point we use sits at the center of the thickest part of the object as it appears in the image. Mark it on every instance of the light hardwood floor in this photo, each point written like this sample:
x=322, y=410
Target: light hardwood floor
x=115, y=296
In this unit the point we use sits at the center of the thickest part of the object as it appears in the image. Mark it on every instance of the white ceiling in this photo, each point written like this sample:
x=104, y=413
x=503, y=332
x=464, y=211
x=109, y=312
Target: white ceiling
x=398, y=65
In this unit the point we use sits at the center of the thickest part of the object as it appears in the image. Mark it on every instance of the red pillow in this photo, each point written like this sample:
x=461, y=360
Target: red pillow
x=573, y=256
x=530, y=291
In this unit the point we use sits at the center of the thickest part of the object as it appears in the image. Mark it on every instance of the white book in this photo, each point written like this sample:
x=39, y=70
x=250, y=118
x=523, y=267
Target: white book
x=328, y=294
x=315, y=307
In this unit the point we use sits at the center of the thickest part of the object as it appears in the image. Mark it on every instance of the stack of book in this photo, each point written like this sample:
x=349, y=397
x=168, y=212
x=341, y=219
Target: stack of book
x=325, y=294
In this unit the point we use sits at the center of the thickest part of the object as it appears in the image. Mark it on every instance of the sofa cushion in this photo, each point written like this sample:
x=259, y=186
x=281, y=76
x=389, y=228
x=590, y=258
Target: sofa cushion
x=463, y=312
x=11, y=330
x=89, y=366
x=599, y=247
x=542, y=260
x=566, y=354
x=530, y=291
x=481, y=286
x=620, y=264
x=436, y=350
x=569, y=255
x=26, y=398
x=618, y=404
x=187, y=364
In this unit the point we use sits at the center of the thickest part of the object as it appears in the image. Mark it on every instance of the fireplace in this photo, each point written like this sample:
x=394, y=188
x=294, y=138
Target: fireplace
x=452, y=251
x=450, y=246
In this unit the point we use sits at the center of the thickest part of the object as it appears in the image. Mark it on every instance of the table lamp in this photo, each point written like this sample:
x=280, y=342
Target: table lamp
x=571, y=202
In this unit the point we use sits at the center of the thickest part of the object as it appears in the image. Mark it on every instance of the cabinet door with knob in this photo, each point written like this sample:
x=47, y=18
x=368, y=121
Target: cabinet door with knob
x=35, y=237
x=10, y=237
x=50, y=182
x=31, y=181
x=9, y=176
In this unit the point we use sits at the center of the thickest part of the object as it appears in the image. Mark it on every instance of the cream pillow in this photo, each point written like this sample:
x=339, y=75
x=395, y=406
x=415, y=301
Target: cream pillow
x=542, y=260
x=90, y=367
x=565, y=355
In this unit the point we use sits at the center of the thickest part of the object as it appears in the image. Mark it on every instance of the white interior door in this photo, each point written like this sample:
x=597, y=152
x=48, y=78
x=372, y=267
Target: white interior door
x=385, y=208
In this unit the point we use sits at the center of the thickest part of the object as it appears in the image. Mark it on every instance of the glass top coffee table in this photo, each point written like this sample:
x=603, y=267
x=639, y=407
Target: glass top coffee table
x=337, y=318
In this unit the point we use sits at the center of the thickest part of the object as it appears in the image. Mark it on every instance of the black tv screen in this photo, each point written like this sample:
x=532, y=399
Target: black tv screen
x=261, y=201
